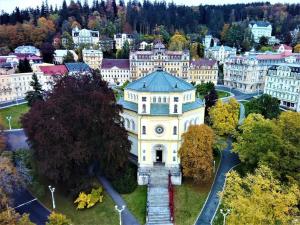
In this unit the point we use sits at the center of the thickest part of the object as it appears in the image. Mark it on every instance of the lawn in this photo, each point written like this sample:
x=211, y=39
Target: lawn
x=101, y=214
x=15, y=112
x=222, y=94
x=189, y=199
x=136, y=203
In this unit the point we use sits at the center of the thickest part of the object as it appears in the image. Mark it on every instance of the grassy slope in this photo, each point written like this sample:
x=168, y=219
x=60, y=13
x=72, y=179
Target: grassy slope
x=15, y=112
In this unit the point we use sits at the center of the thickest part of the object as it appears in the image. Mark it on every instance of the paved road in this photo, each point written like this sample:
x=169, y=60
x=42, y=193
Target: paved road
x=12, y=103
x=127, y=217
x=237, y=94
x=25, y=203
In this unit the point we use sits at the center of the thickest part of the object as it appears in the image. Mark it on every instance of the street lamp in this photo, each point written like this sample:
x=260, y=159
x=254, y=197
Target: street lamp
x=120, y=212
x=224, y=212
x=214, y=166
x=9, y=119
x=52, y=189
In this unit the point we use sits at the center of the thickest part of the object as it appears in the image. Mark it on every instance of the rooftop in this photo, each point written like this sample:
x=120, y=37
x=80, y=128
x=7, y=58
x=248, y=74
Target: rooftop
x=54, y=70
x=160, y=81
x=77, y=67
x=119, y=63
x=203, y=62
x=260, y=23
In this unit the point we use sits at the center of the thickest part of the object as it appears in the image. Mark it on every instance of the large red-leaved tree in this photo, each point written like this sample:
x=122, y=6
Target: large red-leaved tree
x=77, y=124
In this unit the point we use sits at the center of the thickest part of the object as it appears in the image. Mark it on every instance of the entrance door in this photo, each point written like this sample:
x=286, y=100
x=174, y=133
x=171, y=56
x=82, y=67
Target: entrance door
x=159, y=156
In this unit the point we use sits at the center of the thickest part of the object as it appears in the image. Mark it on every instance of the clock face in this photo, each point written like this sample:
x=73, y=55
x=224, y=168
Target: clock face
x=159, y=129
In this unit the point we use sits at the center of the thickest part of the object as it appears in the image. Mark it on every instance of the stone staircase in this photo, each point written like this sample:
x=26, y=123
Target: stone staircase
x=158, y=198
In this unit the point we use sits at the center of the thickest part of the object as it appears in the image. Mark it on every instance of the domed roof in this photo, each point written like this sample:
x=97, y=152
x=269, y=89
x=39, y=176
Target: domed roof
x=160, y=81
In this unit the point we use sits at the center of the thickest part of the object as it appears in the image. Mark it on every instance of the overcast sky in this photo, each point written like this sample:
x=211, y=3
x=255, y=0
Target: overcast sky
x=9, y=5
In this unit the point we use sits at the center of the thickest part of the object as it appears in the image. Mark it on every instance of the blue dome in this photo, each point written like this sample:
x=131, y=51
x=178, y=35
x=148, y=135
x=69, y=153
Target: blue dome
x=160, y=81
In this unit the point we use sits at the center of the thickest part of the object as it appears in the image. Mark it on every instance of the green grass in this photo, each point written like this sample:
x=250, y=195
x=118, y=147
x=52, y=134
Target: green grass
x=15, y=112
x=136, y=203
x=101, y=214
x=222, y=94
x=218, y=220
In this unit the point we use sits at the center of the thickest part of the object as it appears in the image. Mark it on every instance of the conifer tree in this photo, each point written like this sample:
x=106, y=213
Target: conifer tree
x=37, y=93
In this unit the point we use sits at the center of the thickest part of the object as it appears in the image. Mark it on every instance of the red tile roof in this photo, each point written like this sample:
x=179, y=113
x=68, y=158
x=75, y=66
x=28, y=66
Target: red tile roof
x=54, y=70
x=203, y=62
x=120, y=63
x=273, y=56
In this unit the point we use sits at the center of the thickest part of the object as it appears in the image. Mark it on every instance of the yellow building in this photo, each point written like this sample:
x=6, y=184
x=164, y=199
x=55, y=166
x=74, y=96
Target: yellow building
x=158, y=109
x=203, y=71
x=144, y=62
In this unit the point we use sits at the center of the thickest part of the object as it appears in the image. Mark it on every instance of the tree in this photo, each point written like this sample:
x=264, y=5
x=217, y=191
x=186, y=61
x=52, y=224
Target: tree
x=225, y=117
x=58, y=219
x=83, y=118
x=274, y=143
x=263, y=41
x=9, y=180
x=37, y=93
x=67, y=41
x=266, y=105
x=259, y=199
x=24, y=66
x=68, y=58
x=210, y=100
x=178, y=42
x=297, y=48
x=47, y=51
x=204, y=88
x=124, y=52
x=196, y=153
x=200, y=50
x=11, y=217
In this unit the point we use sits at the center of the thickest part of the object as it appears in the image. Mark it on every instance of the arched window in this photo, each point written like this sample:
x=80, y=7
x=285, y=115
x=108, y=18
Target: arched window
x=164, y=99
x=154, y=99
x=127, y=123
x=175, y=108
x=175, y=130
x=186, y=124
x=197, y=121
x=132, y=125
x=159, y=99
x=144, y=108
x=144, y=130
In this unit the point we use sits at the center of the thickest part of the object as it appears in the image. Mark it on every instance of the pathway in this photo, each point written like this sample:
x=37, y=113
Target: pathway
x=158, y=212
x=127, y=217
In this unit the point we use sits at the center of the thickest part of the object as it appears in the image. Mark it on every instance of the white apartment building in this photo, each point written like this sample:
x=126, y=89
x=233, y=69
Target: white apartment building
x=144, y=45
x=145, y=62
x=207, y=41
x=203, y=71
x=93, y=58
x=262, y=28
x=219, y=53
x=85, y=36
x=115, y=71
x=120, y=39
x=283, y=82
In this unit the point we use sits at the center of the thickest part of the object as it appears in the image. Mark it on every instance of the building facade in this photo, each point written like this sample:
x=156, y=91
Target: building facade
x=120, y=39
x=259, y=29
x=92, y=57
x=157, y=110
x=115, y=71
x=61, y=53
x=203, y=71
x=28, y=49
x=85, y=36
x=219, y=53
x=283, y=82
x=145, y=62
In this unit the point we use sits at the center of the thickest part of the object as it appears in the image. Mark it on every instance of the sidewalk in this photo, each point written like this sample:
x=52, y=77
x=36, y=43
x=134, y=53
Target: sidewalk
x=127, y=217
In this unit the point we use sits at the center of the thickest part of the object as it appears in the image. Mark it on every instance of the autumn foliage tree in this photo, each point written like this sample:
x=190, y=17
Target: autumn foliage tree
x=11, y=217
x=259, y=199
x=225, y=116
x=77, y=125
x=196, y=153
x=58, y=219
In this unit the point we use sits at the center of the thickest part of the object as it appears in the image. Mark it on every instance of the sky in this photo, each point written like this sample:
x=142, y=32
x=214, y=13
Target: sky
x=9, y=5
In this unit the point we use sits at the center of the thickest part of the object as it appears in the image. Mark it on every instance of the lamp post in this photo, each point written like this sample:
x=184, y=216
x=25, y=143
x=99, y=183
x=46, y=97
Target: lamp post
x=224, y=212
x=9, y=119
x=120, y=212
x=214, y=166
x=52, y=189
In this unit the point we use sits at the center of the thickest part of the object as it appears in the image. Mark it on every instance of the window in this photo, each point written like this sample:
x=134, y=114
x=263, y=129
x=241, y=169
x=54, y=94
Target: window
x=175, y=108
x=165, y=99
x=154, y=99
x=132, y=125
x=175, y=99
x=175, y=130
x=144, y=108
x=144, y=158
x=127, y=124
x=144, y=130
x=159, y=99
x=144, y=99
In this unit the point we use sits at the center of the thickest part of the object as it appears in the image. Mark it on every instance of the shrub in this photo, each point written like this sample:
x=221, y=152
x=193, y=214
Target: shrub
x=89, y=200
x=126, y=183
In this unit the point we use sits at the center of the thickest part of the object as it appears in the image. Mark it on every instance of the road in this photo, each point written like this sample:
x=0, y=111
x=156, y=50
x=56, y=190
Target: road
x=15, y=139
x=237, y=94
